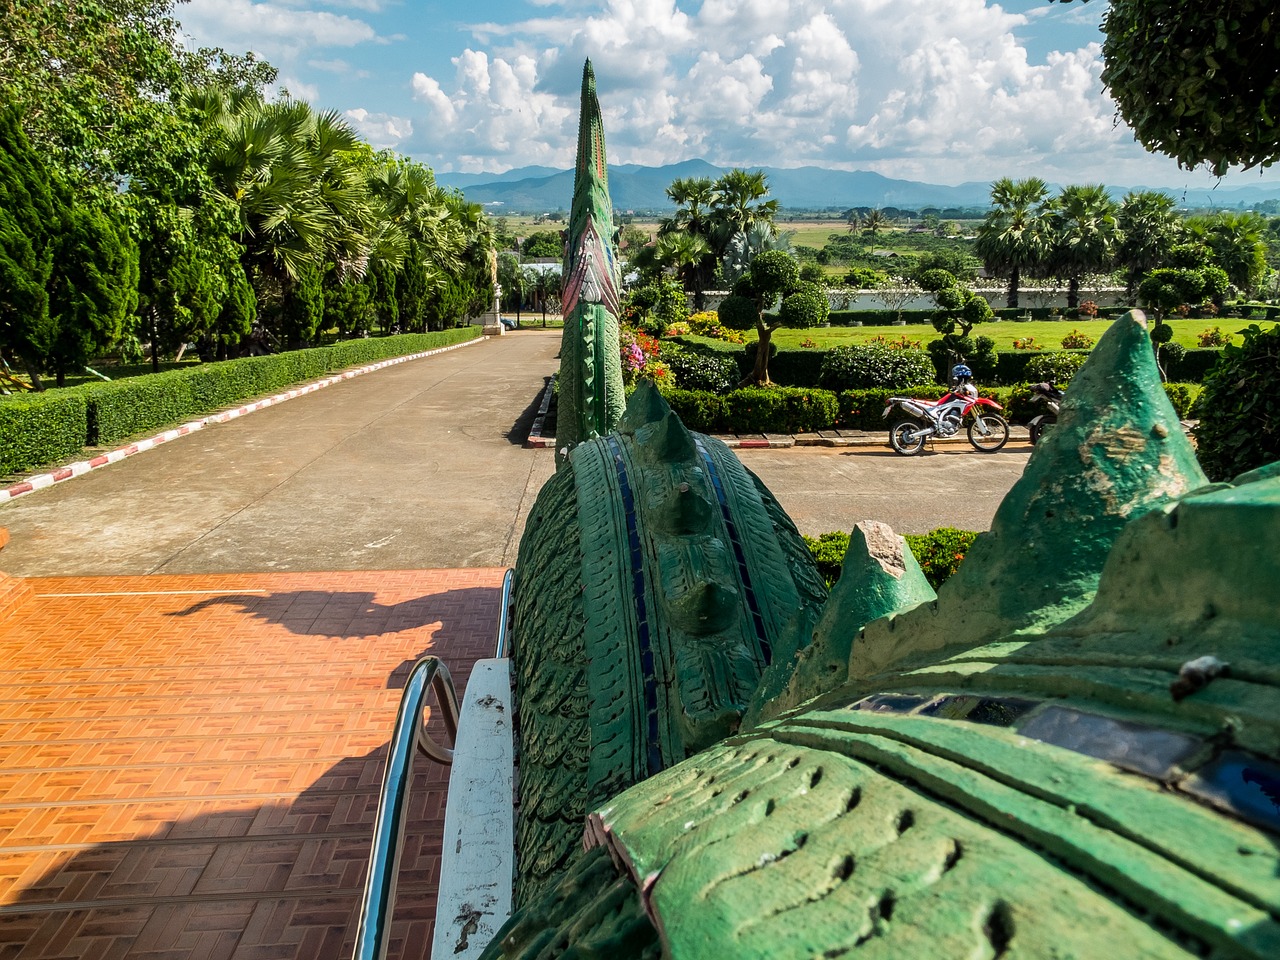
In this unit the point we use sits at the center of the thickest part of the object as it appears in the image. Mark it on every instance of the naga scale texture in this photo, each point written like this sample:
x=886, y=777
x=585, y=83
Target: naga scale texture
x=656, y=579
x=590, y=394
x=1073, y=751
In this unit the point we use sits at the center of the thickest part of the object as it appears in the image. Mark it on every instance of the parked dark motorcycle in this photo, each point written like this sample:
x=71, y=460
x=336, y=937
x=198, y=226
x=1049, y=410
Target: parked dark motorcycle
x=988, y=431
x=1051, y=397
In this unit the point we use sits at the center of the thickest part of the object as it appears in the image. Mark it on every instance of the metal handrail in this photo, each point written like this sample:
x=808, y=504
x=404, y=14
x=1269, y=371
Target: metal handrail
x=388, y=829
x=410, y=731
x=504, y=619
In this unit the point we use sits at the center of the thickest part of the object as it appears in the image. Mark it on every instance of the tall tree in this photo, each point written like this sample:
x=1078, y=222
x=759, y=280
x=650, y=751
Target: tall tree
x=1082, y=235
x=32, y=209
x=740, y=199
x=1235, y=242
x=1011, y=239
x=1147, y=225
x=695, y=199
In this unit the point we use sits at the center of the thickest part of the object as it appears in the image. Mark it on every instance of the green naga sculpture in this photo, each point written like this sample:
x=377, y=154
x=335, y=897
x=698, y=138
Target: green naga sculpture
x=656, y=579
x=590, y=396
x=1073, y=751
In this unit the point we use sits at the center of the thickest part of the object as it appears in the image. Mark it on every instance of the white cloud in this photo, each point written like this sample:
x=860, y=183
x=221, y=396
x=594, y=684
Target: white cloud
x=275, y=30
x=903, y=86
x=382, y=130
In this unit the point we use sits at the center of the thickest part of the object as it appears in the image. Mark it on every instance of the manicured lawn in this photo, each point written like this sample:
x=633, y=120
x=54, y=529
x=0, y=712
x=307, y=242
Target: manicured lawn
x=1047, y=334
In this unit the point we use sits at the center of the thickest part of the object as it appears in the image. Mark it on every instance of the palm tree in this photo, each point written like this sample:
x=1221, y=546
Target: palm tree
x=873, y=221
x=1148, y=226
x=1011, y=238
x=693, y=197
x=1237, y=246
x=738, y=203
x=1082, y=235
x=745, y=245
x=686, y=254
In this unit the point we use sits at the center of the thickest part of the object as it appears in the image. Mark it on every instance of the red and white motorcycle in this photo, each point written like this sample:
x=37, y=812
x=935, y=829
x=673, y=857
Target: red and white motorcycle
x=988, y=431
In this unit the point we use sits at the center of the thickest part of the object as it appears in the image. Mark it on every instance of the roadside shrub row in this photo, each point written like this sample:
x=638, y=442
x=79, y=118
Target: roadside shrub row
x=804, y=367
x=938, y=552
x=41, y=428
x=45, y=428
x=789, y=410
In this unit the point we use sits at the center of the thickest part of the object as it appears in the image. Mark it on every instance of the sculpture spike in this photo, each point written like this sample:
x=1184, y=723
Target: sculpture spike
x=706, y=607
x=879, y=577
x=668, y=440
x=685, y=511
x=1117, y=451
x=645, y=406
x=590, y=390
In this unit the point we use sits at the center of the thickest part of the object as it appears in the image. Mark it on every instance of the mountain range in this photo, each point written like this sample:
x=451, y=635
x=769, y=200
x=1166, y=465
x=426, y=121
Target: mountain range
x=642, y=189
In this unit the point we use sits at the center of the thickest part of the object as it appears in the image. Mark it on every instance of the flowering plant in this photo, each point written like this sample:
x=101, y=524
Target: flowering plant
x=1075, y=340
x=640, y=358
x=1087, y=309
x=707, y=324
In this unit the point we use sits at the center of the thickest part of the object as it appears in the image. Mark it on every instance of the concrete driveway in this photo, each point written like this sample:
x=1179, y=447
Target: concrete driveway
x=420, y=466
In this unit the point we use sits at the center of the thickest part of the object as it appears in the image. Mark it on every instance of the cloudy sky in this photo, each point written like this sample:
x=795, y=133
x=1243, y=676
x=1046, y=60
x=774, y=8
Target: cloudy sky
x=943, y=91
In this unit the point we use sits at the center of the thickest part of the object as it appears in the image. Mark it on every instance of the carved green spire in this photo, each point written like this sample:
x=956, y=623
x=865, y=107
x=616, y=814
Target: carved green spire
x=879, y=577
x=590, y=387
x=1116, y=452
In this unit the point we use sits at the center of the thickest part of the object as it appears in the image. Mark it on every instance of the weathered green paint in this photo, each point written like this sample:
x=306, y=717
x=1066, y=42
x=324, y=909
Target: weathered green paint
x=879, y=577
x=655, y=582
x=589, y=391
x=1116, y=452
x=1024, y=772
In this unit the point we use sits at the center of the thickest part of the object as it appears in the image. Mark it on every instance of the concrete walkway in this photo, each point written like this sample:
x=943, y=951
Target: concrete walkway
x=422, y=465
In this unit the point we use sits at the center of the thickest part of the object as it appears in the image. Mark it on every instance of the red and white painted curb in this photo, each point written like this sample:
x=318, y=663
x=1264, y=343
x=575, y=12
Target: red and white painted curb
x=40, y=481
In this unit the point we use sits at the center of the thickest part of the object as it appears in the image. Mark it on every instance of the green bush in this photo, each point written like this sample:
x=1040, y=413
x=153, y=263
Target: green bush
x=709, y=370
x=40, y=428
x=828, y=551
x=939, y=553
x=1239, y=409
x=864, y=366
x=700, y=410
x=1057, y=367
x=781, y=410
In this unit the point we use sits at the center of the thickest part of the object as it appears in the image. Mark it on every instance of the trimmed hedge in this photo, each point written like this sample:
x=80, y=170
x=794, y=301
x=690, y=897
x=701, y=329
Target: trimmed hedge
x=37, y=428
x=796, y=410
x=756, y=410
x=939, y=552
x=111, y=412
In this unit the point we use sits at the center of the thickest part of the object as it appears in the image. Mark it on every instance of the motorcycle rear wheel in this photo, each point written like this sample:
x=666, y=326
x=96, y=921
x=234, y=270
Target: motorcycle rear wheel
x=1038, y=430
x=997, y=434
x=907, y=437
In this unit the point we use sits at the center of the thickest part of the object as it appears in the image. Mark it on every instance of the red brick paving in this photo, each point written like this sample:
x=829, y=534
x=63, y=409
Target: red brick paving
x=189, y=766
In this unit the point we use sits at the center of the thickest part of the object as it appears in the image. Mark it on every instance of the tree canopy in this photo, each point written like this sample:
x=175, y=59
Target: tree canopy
x=1197, y=80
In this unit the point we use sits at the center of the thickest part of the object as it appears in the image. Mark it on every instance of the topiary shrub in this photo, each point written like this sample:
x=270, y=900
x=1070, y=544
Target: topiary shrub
x=1239, y=409
x=865, y=366
x=807, y=307
x=1057, y=368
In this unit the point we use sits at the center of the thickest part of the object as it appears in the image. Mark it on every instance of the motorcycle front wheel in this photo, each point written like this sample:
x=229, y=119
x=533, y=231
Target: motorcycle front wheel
x=907, y=438
x=988, y=432
x=1038, y=430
